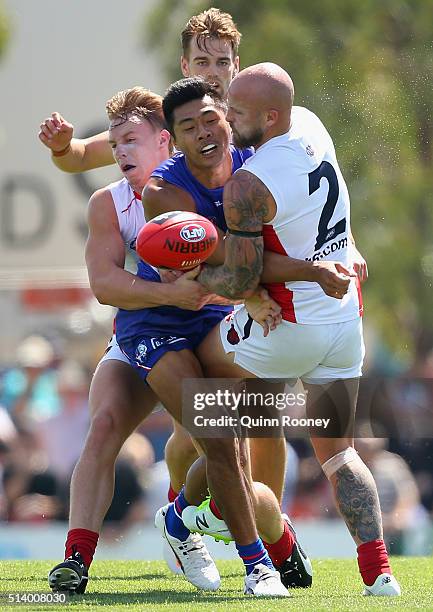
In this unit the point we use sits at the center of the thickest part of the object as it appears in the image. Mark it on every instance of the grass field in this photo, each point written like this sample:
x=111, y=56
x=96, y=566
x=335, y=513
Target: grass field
x=145, y=585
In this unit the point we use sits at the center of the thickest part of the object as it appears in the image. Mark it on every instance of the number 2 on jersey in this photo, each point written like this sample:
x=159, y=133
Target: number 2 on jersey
x=325, y=233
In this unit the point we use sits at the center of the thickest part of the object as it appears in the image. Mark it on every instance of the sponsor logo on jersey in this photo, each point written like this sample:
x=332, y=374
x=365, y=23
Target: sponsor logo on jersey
x=337, y=245
x=156, y=342
x=193, y=233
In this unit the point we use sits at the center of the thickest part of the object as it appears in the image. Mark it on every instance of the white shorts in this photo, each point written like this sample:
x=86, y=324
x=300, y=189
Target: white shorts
x=113, y=352
x=311, y=352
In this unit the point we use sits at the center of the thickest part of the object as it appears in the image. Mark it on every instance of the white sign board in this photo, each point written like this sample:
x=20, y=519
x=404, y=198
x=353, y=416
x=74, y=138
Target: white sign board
x=70, y=57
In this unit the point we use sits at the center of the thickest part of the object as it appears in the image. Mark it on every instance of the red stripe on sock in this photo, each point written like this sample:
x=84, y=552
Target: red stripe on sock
x=82, y=541
x=250, y=557
x=172, y=494
x=214, y=509
x=373, y=561
x=282, y=548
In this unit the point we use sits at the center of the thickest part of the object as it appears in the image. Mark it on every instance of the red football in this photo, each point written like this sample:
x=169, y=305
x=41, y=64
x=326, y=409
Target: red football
x=177, y=240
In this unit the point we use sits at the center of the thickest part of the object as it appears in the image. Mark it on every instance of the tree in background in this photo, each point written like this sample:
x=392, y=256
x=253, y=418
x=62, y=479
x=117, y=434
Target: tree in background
x=4, y=29
x=366, y=68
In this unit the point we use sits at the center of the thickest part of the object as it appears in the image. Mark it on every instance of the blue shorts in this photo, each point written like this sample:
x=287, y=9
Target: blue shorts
x=145, y=350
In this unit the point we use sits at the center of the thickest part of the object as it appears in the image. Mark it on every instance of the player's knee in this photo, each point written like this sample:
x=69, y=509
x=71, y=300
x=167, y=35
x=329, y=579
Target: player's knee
x=180, y=450
x=337, y=461
x=103, y=434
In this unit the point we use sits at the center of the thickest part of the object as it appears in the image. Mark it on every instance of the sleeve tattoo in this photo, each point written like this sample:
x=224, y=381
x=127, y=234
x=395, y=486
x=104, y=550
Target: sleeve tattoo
x=246, y=205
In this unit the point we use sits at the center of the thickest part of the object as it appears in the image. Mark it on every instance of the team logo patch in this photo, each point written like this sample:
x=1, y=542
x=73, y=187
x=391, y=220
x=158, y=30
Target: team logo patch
x=141, y=352
x=193, y=232
x=233, y=336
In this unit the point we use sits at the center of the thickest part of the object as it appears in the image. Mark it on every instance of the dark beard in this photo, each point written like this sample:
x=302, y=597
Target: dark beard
x=248, y=140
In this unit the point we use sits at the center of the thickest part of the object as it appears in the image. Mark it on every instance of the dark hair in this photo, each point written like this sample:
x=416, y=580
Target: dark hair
x=186, y=90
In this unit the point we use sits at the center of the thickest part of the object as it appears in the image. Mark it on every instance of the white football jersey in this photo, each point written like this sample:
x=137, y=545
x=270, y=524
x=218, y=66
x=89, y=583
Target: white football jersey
x=312, y=221
x=130, y=214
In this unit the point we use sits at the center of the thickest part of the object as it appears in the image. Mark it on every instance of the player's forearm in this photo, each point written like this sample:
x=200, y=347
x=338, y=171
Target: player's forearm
x=282, y=268
x=72, y=160
x=85, y=154
x=122, y=289
x=239, y=276
x=233, y=284
x=276, y=268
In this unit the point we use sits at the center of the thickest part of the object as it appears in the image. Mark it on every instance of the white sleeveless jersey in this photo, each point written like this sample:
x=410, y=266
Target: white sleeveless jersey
x=130, y=215
x=312, y=221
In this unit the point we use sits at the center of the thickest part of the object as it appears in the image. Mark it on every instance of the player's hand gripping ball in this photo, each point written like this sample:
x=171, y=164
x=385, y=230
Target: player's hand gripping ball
x=177, y=240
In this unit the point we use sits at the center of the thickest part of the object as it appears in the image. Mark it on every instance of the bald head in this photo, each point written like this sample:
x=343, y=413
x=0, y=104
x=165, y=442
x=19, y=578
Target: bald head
x=267, y=83
x=265, y=92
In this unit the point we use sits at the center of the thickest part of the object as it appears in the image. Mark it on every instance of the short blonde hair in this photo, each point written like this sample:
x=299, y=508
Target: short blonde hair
x=212, y=23
x=138, y=102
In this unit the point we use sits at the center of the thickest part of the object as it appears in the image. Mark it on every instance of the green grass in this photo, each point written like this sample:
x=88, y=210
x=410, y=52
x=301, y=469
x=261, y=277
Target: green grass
x=145, y=585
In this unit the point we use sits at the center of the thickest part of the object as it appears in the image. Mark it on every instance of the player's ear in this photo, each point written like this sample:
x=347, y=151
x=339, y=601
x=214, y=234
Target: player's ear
x=271, y=117
x=166, y=140
x=184, y=66
x=236, y=63
x=164, y=137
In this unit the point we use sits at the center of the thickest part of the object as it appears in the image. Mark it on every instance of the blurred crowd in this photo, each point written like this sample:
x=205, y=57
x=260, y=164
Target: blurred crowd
x=44, y=419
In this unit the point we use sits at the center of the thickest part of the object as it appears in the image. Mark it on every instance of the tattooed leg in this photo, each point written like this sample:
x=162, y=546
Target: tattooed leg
x=357, y=501
x=354, y=487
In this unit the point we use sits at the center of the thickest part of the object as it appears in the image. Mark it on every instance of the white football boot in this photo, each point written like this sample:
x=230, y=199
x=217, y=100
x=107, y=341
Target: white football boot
x=171, y=559
x=193, y=556
x=201, y=519
x=264, y=582
x=385, y=585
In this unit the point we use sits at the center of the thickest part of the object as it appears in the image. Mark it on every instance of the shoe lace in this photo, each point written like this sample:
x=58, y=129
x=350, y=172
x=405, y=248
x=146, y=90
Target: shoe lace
x=194, y=544
x=261, y=575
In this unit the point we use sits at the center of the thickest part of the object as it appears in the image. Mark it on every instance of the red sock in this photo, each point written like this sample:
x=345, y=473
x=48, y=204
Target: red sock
x=172, y=494
x=82, y=541
x=373, y=561
x=215, y=510
x=282, y=549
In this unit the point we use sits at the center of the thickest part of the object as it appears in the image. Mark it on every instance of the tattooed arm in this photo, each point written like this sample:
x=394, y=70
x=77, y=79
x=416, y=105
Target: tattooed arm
x=247, y=205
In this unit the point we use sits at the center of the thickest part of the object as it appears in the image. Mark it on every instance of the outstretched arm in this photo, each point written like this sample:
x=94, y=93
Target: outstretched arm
x=74, y=154
x=332, y=276
x=247, y=205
